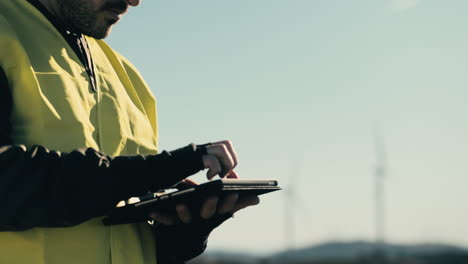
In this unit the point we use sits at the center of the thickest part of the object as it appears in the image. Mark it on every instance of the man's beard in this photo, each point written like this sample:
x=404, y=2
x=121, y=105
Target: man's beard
x=81, y=17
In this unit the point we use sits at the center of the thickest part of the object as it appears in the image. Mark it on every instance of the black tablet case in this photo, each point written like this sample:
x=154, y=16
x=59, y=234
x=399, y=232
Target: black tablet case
x=193, y=197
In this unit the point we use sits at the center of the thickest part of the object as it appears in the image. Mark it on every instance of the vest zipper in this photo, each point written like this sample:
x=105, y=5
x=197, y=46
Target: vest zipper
x=86, y=57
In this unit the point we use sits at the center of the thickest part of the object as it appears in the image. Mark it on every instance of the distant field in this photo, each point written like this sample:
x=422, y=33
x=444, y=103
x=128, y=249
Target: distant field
x=451, y=259
x=354, y=252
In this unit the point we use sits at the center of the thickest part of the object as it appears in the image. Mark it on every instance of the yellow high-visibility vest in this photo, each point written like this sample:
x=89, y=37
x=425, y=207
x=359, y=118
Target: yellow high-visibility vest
x=55, y=106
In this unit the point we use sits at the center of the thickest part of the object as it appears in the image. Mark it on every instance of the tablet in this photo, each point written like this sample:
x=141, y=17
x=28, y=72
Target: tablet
x=193, y=197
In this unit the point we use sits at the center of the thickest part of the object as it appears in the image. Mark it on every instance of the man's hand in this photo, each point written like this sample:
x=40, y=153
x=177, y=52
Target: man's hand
x=211, y=207
x=220, y=160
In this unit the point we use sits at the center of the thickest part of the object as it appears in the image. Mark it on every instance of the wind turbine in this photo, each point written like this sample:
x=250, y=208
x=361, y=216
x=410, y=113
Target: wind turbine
x=292, y=202
x=380, y=174
x=289, y=209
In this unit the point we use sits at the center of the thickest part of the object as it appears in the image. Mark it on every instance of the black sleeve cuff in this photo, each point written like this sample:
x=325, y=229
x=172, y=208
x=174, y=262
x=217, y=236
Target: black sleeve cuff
x=176, y=166
x=185, y=242
x=155, y=172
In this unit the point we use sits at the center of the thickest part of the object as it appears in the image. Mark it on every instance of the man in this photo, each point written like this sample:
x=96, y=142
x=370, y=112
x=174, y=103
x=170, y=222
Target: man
x=78, y=134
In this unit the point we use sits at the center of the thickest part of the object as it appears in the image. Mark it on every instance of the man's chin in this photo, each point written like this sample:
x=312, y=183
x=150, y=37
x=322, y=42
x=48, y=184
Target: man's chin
x=103, y=35
x=100, y=33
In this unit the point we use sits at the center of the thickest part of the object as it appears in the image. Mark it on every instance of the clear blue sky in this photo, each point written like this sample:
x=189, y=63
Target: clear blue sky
x=298, y=86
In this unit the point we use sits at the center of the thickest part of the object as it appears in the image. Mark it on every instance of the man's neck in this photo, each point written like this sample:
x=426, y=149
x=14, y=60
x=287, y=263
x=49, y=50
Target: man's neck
x=50, y=5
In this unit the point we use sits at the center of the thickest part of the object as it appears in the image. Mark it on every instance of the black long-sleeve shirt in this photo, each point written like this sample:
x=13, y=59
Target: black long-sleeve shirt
x=39, y=186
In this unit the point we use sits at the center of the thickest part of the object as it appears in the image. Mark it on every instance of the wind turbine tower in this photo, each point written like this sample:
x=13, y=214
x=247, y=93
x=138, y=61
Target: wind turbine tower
x=380, y=174
x=290, y=219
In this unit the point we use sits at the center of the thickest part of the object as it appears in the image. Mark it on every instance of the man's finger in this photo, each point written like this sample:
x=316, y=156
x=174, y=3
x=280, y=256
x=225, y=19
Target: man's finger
x=221, y=152
x=212, y=164
x=232, y=175
x=230, y=148
x=185, y=184
x=184, y=213
x=228, y=203
x=244, y=202
x=209, y=208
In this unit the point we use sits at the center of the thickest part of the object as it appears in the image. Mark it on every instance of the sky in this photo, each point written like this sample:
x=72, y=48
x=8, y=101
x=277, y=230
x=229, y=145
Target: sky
x=303, y=88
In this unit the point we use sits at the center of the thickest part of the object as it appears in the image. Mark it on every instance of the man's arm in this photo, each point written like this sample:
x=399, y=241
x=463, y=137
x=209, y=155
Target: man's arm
x=43, y=188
